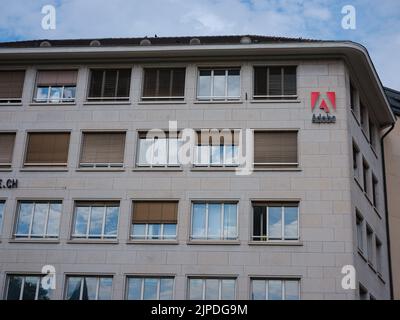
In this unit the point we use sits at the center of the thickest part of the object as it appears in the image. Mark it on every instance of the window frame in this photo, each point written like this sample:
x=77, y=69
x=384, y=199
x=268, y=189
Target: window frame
x=110, y=166
x=370, y=245
x=157, y=99
x=102, y=236
x=49, y=100
x=142, y=287
x=213, y=98
x=153, y=143
x=356, y=160
x=2, y=212
x=83, y=276
x=5, y=165
x=14, y=101
x=206, y=218
x=29, y=236
x=24, y=276
x=283, y=286
x=267, y=238
x=277, y=98
x=204, y=282
x=360, y=227
x=113, y=99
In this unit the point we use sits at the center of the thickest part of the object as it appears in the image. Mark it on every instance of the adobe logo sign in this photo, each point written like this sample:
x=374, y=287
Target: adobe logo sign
x=325, y=102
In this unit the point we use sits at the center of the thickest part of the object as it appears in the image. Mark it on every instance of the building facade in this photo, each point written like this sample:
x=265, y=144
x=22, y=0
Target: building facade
x=92, y=193
x=392, y=163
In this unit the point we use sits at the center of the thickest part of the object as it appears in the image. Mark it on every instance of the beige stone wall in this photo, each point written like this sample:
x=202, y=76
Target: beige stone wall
x=392, y=157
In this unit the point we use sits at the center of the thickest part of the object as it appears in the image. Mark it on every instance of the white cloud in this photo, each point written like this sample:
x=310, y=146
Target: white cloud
x=377, y=23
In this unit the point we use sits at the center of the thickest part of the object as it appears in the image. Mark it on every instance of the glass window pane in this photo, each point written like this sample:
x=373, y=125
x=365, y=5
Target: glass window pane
x=105, y=289
x=195, y=289
x=39, y=219
x=228, y=289
x=219, y=84
x=230, y=221
x=203, y=155
x=24, y=218
x=111, y=222
x=42, y=94
x=275, y=222
x=14, y=288
x=55, y=94
x=275, y=81
x=217, y=154
x=166, y=289
x=212, y=289
x=150, y=289
x=291, y=222
x=74, y=288
x=30, y=286
x=289, y=81
x=274, y=290
x=160, y=152
x=145, y=151
x=234, y=83
x=169, y=231
x=89, y=288
x=204, y=89
x=134, y=289
x=53, y=224
x=154, y=231
x=292, y=290
x=231, y=154
x=214, y=221
x=258, y=290
x=199, y=220
x=173, y=151
x=96, y=221
x=139, y=231
x=69, y=93
x=260, y=223
x=81, y=221
x=44, y=294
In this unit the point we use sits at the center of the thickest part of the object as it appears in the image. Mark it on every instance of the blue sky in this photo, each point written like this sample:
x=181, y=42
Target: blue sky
x=378, y=22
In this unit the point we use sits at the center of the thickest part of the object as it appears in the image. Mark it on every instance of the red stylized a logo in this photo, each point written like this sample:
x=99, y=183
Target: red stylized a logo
x=323, y=105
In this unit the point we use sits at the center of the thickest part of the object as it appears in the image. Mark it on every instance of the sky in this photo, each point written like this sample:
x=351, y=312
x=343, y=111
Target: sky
x=377, y=22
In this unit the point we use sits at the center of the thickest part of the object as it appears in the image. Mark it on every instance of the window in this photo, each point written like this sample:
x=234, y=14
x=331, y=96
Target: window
x=11, y=85
x=275, y=149
x=363, y=118
x=365, y=177
x=217, y=148
x=164, y=84
x=275, y=289
x=109, y=85
x=372, y=134
x=88, y=288
x=154, y=220
x=275, y=221
x=375, y=189
x=275, y=82
x=214, y=221
x=7, y=140
x=360, y=231
x=353, y=101
x=370, y=245
x=150, y=288
x=96, y=220
x=379, y=252
x=212, y=289
x=38, y=219
x=158, y=150
x=356, y=155
x=27, y=287
x=218, y=84
x=363, y=292
x=2, y=204
x=55, y=86
x=103, y=150
x=47, y=149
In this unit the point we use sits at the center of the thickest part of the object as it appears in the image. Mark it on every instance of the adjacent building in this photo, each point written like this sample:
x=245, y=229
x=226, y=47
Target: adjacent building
x=277, y=194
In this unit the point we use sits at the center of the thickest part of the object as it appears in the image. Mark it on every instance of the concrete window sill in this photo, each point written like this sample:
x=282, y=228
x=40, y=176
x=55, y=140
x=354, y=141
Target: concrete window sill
x=92, y=241
x=214, y=242
x=153, y=242
x=44, y=241
x=276, y=243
